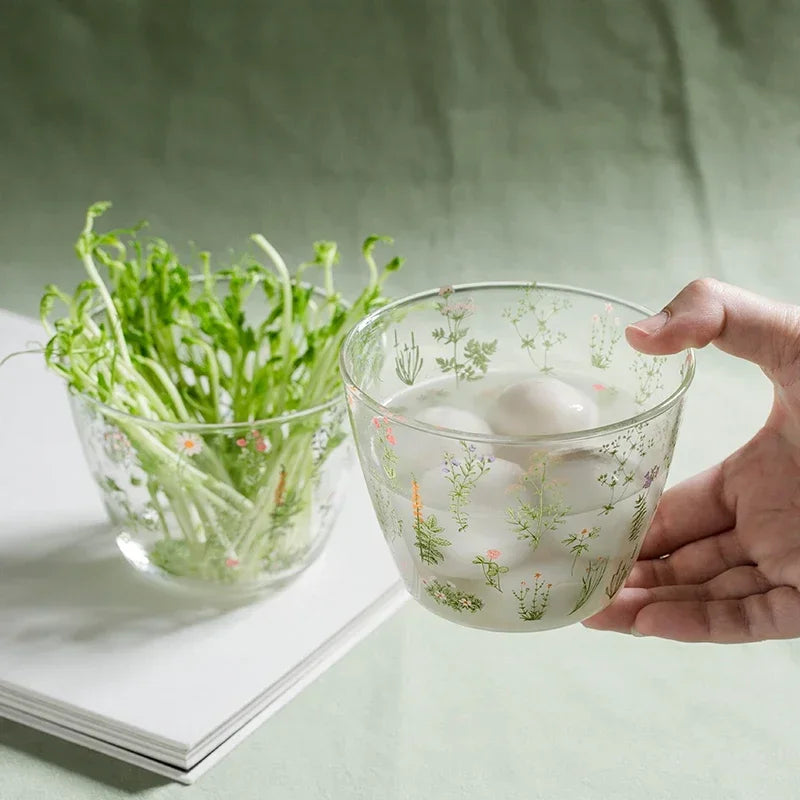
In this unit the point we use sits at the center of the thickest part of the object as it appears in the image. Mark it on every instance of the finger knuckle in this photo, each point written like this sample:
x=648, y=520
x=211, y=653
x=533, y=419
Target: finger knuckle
x=705, y=288
x=786, y=344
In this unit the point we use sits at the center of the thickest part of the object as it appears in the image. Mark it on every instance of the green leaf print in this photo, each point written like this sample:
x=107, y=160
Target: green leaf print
x=474, y=362
x=428, y=541
x=531, y=318
x=622, y=453
x=639, y=517
x=590, y=581
x=620, y=575
x=531, y=520
x=606, y=332
x=462, y=475
x=446, y=594
x=385, y=448
x=491, y=569
x=385, y=510
x=533, y=601
x=407, y=360
x=578, y=543
x=648, y=371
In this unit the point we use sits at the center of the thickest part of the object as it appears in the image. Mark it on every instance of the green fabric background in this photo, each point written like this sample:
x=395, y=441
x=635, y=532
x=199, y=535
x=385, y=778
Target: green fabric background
x=619, y=145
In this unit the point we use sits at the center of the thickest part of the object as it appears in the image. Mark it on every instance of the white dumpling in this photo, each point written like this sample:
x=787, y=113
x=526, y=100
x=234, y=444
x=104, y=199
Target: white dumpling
x=458, y=419
x=418, y=451
x=492, y=490
x=542, y=405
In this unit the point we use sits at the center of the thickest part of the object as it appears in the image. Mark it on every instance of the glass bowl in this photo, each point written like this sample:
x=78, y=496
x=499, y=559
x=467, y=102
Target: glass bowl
x=245, y=505
x=503, y=509
x=240, y=505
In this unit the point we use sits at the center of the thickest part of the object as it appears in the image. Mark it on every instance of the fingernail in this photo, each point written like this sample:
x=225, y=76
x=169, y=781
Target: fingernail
x=652, y=324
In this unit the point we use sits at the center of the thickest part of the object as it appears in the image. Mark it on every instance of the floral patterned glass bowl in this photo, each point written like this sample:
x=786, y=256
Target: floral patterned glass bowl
x=245, y=506
x=514, y=445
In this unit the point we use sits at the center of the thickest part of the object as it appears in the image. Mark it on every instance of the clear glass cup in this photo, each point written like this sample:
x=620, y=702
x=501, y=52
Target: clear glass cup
x=240, y=505
x=491, y=525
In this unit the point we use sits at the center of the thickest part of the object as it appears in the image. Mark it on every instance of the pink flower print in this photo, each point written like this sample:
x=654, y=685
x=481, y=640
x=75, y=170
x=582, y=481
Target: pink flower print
x=595, y=318
x=459, y=310
x=537, y=575
x=242, y=442
x=468, y=306
x=117, y=445
x=439, y=595
x=609, y=308
x=231, y=562
x=445, y=291
x=263, y=446
x=493, y=554
x=390, y=437
x=598, y=387
x=466, y=602
x=376, y=423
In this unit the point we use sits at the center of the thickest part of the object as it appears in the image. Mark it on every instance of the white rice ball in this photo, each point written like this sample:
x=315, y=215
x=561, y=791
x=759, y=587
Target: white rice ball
x=542, y=405
x=418, y=452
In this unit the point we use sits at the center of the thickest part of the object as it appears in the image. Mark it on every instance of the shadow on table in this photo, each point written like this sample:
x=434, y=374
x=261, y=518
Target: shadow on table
x=74, y=584
x=72, y=758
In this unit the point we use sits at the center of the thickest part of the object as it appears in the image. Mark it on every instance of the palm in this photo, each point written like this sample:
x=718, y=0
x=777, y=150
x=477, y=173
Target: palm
x=722, y=559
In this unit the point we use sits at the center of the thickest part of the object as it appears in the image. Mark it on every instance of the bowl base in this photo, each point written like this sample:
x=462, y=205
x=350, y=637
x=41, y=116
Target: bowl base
x=141, y=559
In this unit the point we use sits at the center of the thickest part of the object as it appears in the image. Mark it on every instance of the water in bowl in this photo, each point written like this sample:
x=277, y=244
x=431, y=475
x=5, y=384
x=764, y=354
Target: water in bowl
x=512, y=537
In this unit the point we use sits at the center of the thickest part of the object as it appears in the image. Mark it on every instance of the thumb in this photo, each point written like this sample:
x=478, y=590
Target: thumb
x=737, y=321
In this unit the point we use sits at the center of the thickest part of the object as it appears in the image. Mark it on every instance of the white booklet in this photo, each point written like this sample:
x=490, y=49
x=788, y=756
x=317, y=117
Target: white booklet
x=93, y=652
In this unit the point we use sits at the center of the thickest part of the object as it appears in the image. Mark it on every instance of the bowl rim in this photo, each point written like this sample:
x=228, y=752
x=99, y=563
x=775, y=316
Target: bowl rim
x=504, y=439
x=207, y=428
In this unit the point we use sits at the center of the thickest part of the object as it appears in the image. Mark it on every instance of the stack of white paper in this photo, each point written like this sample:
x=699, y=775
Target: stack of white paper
x=95, y=653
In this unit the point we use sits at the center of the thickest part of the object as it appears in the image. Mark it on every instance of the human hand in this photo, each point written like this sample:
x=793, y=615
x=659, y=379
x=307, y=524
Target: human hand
x=721, y=560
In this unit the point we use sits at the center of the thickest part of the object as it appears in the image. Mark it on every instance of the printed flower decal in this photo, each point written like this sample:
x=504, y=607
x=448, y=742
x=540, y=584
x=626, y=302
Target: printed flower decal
x=261, y=443
x=606, y=333
x=386, y=442
x=492, y=571
x=117, y=446
x=532, y=601
x=429, y=540
x=650, y=476
x=447, y=594
x=189, y=443
x=470, y=361
x=463, y=474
